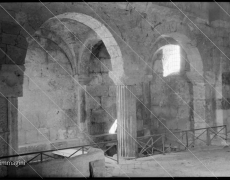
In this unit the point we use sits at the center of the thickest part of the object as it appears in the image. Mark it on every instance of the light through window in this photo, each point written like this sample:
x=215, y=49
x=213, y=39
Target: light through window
x=171, y=59
x=113, y=128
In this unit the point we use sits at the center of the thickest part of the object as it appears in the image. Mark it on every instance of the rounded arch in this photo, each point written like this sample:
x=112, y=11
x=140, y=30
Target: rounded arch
x=52, y=36
x=107, y=38
x=194, y=74
x=194, y=58
x=85, y=52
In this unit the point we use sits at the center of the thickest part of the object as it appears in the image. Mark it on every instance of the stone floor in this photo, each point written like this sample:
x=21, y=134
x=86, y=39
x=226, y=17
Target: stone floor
x=210, y=161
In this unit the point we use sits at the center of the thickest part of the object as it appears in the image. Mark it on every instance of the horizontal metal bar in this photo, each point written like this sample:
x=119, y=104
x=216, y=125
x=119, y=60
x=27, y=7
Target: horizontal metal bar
x=197, y=137
x=101, y=135
x=49, y=155
x=178, y=132
x=82, y=146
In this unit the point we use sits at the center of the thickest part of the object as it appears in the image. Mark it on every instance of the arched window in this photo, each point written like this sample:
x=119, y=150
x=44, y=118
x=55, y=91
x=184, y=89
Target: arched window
x=171, y=59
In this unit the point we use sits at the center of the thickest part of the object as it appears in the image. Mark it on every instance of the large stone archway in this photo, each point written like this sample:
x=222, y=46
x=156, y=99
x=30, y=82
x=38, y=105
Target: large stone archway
x=126, y=116
x=195, y=76
x=107, y=38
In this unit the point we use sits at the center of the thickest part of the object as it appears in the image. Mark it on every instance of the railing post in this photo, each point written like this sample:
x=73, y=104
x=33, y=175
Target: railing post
x=82, y=150
x=208, y=136
x=186, y=139
x=41, y=158
x=163, y=143
x=117, y=154
x=226, y=133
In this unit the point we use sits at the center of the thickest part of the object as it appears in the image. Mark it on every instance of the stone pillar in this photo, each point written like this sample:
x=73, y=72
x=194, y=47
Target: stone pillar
x=10, y=89
x=4, y=133
x=199, y=106
x=13, y=125
x=199, y=111
x=126, y=119
x=81, y=116
x=147, y=103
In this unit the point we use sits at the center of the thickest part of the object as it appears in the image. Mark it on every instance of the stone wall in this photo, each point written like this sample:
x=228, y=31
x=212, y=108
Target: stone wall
x=136, y=39
x=100, y=93
x=49, y=102
x=13, y=47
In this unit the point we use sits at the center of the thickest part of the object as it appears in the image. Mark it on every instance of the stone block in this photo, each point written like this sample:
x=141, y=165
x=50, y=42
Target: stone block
x=55, y=119
x=95, y=66
x=11, y=80
x=96, y=79
x=53, y=134
x=106, y=65
x=68, y=100
x=43, y=134
x=10, y=28
x=226, y=78
x=140, y=133
x=3, y=144
x=210, y=77
x=57, y=145
x=16, y=55
x=21, y=42
x=62, y=134
x=199, y=108
x=112, y=91
x=138, y=90
x=107, y=102
x=70, y=117
x=183, y=112
x=32, y=147
x=72, y=132
x=209, y=91
x=225, y=103
x=219, y=104
x=97, y=128
x=139, y=125
x=106, y=79
x=9, y=39
x=31, y=136
x=199, y=91
x=2, y=54
x=97, y=168
x=100, y=115
x=98, y=90
x=3, y=114
x=226, y=91
x=92, y=102
x=199, y=125
x=21, y=137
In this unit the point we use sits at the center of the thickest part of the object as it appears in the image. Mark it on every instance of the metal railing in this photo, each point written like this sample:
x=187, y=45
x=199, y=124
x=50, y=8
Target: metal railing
x=185, y=138
x=44, y=153
x=147, y=144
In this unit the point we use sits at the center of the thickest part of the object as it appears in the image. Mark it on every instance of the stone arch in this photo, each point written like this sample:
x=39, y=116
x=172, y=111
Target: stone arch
x=52, y=36
x=195, y=73
x=107, y=38
x=85, y=53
